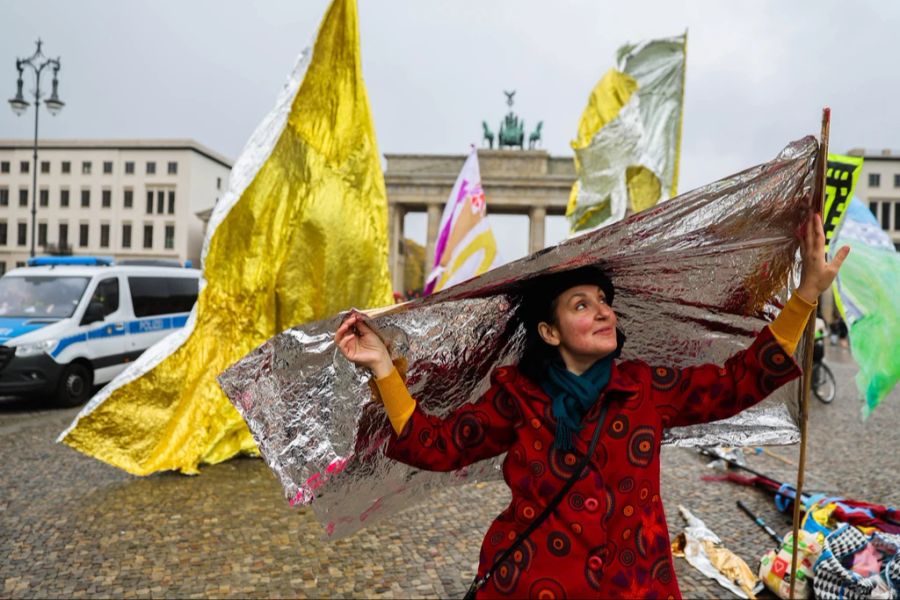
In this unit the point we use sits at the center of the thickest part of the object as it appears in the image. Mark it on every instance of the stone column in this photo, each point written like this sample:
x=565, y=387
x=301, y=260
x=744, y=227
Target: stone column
x=536, y=217
x=395, y=241
x=435, y=212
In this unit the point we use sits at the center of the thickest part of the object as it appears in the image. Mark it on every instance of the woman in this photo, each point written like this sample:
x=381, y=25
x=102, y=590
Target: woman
x=607, y=537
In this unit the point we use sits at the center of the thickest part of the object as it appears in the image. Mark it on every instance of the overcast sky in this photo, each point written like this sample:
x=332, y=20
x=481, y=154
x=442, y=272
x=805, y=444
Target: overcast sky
x=758, y=73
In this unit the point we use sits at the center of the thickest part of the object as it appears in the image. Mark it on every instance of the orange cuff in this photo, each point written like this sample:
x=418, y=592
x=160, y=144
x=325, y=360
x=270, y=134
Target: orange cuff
x=398, y=404
x=788, y=327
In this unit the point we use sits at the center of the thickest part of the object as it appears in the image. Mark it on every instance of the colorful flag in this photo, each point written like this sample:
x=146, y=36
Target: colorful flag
x=840, y=181
x=301, y=234
x=465, y=246
x=629, y=136
x=866, y=296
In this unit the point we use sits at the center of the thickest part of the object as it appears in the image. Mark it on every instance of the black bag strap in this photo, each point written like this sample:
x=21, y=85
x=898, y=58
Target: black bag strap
x=551, y=506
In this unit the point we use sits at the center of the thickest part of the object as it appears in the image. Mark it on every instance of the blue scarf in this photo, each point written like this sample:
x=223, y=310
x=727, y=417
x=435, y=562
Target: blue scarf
x=573, y=395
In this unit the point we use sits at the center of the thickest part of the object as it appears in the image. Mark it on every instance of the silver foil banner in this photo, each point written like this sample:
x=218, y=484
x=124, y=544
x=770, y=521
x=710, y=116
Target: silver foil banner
x=696, y=278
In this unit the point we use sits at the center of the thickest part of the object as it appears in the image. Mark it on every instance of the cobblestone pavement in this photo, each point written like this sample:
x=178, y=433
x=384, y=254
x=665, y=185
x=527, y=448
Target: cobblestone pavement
x=72, y=526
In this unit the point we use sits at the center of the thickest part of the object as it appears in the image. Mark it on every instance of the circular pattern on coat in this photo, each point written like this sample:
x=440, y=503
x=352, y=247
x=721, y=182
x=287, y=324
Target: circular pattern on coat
x=525, y=511
x=644, y=493
x=639, y=541
x=664, y=379
x=576, y=501
x=626, y=557
x=546, y=589
x=562, y=467
x=595, y=562
x=425, y=437
x=610, y=504
x=628, y=510
x=503, y=374
x=558, y=543
x=469, y=430
x=506, y=577
x=773, y=358
x=618, y=427
x=506, y=406
x=661, y=570
x=641, y=446
x=537, y=468
x=626, y=485
x=519, y=453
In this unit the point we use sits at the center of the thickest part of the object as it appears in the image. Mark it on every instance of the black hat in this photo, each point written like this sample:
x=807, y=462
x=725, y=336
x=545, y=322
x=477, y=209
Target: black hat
x=538, y=304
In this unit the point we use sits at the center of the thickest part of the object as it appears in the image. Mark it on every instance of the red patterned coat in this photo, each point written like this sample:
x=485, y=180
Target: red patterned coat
x=608, y=538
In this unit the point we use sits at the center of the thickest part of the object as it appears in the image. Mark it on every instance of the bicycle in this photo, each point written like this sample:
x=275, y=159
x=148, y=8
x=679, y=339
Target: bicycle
x=824, y=385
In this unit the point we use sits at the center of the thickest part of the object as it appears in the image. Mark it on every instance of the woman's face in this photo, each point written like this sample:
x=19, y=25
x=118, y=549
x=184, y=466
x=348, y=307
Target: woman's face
x=585, y=327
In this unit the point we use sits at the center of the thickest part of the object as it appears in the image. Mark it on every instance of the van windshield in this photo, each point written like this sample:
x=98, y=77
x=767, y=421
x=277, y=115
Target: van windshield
x=40, y=297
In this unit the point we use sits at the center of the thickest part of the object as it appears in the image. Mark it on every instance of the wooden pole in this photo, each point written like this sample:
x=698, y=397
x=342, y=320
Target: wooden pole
x=803, y=392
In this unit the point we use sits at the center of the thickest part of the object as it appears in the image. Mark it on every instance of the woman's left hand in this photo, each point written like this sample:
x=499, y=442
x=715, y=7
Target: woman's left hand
x=816, y=273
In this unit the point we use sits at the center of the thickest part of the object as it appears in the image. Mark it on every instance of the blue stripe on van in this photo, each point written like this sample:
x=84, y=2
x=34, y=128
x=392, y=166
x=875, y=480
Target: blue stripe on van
x=131, y=327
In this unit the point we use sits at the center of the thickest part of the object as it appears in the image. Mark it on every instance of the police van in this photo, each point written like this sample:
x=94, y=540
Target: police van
x=69, y=323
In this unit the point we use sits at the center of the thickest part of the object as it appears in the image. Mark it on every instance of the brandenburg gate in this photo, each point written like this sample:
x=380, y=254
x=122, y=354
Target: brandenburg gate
x=527, y=182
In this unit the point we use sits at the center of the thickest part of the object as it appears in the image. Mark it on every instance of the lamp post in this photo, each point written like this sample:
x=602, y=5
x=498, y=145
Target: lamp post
x=37, y=62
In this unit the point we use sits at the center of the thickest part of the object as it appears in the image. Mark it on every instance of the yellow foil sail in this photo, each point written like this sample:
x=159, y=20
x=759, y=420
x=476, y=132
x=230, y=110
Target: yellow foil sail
x=301, y=235
x=629, y=136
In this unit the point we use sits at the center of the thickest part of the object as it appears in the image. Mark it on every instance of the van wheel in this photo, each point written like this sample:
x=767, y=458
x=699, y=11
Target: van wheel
x=75, y=385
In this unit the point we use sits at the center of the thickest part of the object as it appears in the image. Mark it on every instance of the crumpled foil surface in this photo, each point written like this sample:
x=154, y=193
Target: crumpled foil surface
x=696, y=279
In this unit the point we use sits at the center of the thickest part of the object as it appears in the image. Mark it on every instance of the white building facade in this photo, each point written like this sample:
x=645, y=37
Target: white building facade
x=130, y=199
x=879, y=187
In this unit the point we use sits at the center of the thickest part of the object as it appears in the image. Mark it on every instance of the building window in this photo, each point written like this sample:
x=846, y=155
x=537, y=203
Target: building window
x=83, y=235
x=2, y=233
x=44, y=198
x=64, y=198
x=66, y=167
x=896, y=180
x=106, y=198
x=86, y=167
x=160, y=202
x=45, y=166
x=23, y=197
x=170, y=237
x=104, y=235
x=107, y=167
x=126, y=235
x=173, y=168
x=129, y=167
x=218, y=183
x=873, y=207
x=23, y=166
x=42, y=235
x=2, y=267
x=149, y=202
x=63, y=236
x=85, y=198
x=129, y=198
x=874, y=180
x=4, y=166
x=886, y=215
x=148, y=236
x=897, y=217
x=151, y=168
x=4, y=196
x=171, y=202
x=22, y=234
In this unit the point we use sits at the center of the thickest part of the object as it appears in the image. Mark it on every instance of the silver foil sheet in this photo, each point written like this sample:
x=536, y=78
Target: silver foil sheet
x=696, y=278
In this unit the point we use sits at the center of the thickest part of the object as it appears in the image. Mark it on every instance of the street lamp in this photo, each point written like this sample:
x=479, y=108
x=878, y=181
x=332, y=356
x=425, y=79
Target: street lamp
x=38, y=62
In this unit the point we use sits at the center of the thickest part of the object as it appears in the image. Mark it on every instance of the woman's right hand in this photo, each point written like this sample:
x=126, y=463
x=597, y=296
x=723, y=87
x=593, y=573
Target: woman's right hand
x=361, y=346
